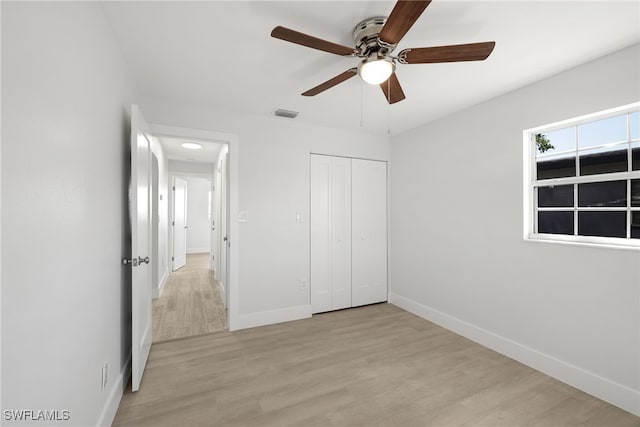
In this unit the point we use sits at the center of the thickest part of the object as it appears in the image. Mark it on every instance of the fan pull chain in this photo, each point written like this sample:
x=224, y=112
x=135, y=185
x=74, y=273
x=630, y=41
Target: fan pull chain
x=388, y=105
x=361, y=103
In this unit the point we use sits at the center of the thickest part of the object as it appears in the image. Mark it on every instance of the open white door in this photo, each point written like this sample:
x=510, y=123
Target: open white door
x=179, y=223
x=139, y=206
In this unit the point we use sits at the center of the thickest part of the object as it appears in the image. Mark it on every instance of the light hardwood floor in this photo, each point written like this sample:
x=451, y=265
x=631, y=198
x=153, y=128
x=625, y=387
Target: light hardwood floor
x=370, y=366
x=190, y=303
x=198, y=261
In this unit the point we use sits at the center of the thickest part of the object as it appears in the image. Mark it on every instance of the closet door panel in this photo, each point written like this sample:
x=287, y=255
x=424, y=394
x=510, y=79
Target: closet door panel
x=340, y=232
x=330, y=280
x=320, y=284
x=369, y=245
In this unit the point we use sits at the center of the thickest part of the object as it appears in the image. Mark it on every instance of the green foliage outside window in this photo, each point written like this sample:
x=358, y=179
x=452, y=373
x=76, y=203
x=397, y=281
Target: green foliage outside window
x=543, y=143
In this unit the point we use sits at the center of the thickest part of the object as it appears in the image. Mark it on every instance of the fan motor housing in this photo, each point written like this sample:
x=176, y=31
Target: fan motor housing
x=365, y=35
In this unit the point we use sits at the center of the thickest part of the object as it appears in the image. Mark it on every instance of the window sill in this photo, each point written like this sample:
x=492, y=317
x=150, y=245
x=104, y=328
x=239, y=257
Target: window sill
x=594, y=242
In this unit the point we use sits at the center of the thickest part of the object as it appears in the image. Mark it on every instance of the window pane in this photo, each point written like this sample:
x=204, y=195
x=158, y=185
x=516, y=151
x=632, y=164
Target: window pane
x=558, y=196
x=635, y=225
x=554, y=222
x=635, y=192
x=635, y=150
x=603, y=224
x=603, y=194
x=613, y=129
x=604, y=161
x=559, y=140
x=634, y=125
x=556, y=166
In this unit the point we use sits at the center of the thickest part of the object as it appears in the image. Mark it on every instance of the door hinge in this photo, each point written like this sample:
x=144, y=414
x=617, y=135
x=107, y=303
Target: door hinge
x=173, y=223
x=174, y=188
x=172, y=259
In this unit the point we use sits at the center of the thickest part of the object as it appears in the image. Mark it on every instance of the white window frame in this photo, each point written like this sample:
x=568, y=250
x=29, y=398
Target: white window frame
x=530, y=184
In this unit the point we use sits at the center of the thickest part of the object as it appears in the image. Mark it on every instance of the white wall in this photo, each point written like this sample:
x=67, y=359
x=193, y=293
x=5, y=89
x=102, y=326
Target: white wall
x=457, y=253
x=162, y=262
x=199, y=231
x=274, y=185
x=65, y=220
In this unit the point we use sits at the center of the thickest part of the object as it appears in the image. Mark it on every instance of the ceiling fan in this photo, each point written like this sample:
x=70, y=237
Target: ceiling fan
x=375, y=39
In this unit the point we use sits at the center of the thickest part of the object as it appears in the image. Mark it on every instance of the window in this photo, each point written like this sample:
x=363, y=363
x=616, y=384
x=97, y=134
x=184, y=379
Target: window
x=582, y=179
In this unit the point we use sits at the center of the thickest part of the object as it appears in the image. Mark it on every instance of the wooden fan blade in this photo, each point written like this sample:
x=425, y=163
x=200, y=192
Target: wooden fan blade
x=296, y=37
x=403, y=16
x=454, y=53
x=392, y=90
x=332, y=82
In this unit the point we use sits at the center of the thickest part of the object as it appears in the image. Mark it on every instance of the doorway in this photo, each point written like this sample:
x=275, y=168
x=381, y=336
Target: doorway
x=193, y=300
x=180, y=191
x=230, y=147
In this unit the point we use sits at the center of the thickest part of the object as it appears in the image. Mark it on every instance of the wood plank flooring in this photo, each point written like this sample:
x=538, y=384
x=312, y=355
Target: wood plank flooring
x=370, y=366
x=190, y=304
x=199, y=261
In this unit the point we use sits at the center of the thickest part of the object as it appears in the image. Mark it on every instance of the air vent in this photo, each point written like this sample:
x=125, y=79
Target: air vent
x=286, y=113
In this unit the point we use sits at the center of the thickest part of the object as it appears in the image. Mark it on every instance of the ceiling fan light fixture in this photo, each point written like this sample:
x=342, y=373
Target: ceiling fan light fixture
x=191, y=145
x=376, y=70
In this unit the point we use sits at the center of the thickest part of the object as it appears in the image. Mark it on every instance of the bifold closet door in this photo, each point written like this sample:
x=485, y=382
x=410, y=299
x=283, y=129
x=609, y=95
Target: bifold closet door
x=330, y=280
x=369, y=222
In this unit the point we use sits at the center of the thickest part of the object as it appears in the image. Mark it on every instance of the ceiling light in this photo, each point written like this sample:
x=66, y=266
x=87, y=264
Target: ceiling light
x=375, y=71
x=191, y=145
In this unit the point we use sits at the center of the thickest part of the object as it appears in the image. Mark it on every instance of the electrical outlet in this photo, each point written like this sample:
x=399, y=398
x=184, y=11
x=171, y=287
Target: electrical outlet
x=105, y=373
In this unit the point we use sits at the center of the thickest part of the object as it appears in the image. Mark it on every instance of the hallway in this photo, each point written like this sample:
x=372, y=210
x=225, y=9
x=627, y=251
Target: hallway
x=190, y=304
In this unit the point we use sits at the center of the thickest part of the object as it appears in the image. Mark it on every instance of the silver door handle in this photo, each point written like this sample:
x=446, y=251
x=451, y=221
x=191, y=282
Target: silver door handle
x=143, y=260
x=130, y=261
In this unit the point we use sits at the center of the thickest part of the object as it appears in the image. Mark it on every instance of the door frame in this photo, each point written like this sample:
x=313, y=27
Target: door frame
x=155, y=223
x=222, y=181
x=233, y=143
x=172, y=206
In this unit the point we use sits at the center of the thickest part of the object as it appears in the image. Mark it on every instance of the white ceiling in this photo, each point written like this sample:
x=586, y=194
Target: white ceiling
x=220, y=54
x=174, y=151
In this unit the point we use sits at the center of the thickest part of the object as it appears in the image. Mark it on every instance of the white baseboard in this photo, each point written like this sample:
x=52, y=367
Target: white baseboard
x=163, y=281
x=251, y=320
x=197, y=250
x=617, y=394
x=115, y=395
